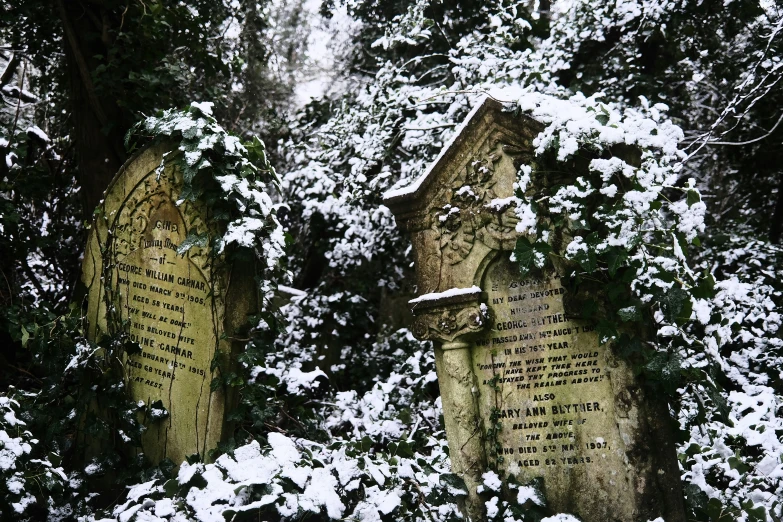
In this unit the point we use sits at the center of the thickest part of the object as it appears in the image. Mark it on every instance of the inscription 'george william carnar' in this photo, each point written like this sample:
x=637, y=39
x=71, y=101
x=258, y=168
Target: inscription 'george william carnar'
x=172, y=305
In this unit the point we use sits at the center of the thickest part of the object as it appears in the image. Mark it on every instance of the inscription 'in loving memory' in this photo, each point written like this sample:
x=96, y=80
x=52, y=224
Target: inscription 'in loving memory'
x=543, y=378
x=163, y=297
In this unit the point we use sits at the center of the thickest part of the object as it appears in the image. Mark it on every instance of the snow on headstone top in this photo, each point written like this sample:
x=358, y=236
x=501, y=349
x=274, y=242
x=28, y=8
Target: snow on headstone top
x=418, y=182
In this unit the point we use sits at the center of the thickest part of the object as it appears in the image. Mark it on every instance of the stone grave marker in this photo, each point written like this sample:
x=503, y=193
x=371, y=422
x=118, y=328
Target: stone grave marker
x=526, y=389
x=179, y=308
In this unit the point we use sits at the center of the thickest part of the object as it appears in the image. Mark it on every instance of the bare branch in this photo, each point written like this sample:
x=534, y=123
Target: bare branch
x=748, y=142
x=10, y=69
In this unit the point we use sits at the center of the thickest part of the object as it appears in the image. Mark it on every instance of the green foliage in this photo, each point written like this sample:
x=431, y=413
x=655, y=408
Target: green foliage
x=230, y=177
x=79, y=413
x=319, y=370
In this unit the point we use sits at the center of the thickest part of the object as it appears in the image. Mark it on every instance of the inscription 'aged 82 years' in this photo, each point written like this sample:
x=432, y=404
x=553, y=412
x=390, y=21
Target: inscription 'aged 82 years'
x=175, y=306
x=527, y=389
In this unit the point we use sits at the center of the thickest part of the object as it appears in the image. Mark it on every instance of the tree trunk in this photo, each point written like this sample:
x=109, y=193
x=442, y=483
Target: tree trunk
x=776, y=227
x=96, y=120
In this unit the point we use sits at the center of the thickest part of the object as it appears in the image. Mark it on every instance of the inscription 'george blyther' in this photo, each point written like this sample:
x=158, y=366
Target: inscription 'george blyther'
x=526, y=389
x=516, y=370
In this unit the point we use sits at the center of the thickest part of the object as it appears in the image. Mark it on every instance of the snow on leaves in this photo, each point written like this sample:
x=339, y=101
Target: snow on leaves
x=21, y=475
x=241, y=170
x=630, y=213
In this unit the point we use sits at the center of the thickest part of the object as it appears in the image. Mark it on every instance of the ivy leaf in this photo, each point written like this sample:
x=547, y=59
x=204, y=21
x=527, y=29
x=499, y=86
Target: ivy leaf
x=692, y=198
x=192, y=239
x=190, y=132
x=544, y=249
x=589, y=308
x=190, y=193
x=170, y=487
x=257, y=151
x=630, y=314
x=666, y=370
x=676, y=306
x=587, y=260
x=705, y=289
x=615, y=259
x=157, y=411
x=718, y=399
x=54, y=458
x=580, y=224
x=455, y=482
x=695, y=498
x=718, y=512
x=757, y=514
x=25, y=336
x=735, y=463
x=404, y=450
x=524, y=254
x=193, y=459
x=607, y=332
x=132, y=348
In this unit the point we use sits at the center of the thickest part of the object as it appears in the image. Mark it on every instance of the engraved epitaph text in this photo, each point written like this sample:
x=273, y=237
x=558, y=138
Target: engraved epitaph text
x=545, y=379
x=171, y=305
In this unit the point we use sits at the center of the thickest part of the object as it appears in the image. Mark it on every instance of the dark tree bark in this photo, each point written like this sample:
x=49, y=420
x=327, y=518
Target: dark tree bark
x=98, y=123
x=776, y=227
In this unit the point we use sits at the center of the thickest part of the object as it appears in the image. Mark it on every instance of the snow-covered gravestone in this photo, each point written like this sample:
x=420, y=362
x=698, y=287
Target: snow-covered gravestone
x=178, y=305
x=527, y=390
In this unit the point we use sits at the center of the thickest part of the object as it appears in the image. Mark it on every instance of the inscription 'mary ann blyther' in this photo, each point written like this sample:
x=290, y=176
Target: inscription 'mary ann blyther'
x=526, y=389
x=176, y=307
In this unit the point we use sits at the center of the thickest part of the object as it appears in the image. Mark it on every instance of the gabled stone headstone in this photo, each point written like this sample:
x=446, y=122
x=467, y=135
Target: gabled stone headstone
x=180, y=309
x=526, y=389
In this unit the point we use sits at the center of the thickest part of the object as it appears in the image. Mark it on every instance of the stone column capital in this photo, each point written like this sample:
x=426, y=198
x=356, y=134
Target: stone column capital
x=451, y=318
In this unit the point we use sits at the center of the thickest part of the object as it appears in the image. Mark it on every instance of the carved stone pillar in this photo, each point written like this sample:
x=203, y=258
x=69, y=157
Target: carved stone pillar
x=451, y=321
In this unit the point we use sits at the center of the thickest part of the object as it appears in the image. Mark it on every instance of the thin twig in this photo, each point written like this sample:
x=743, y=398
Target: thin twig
x=24, y=372
x=748, y=142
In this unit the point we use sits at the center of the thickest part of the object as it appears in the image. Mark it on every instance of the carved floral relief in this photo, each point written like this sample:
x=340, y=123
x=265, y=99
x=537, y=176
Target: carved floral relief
x=475, y=208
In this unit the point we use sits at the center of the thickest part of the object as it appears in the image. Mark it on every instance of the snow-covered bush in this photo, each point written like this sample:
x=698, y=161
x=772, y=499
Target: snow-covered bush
x=382, y=455
x=632, y=218
x=627, y=223
x=27, y=478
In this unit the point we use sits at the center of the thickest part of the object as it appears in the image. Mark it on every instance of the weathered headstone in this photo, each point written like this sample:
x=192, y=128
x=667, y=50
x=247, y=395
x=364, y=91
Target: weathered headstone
x=179, y=308
x=526, y=388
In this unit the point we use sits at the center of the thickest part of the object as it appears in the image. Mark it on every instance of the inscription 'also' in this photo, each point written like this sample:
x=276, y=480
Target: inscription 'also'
x=543, y=378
